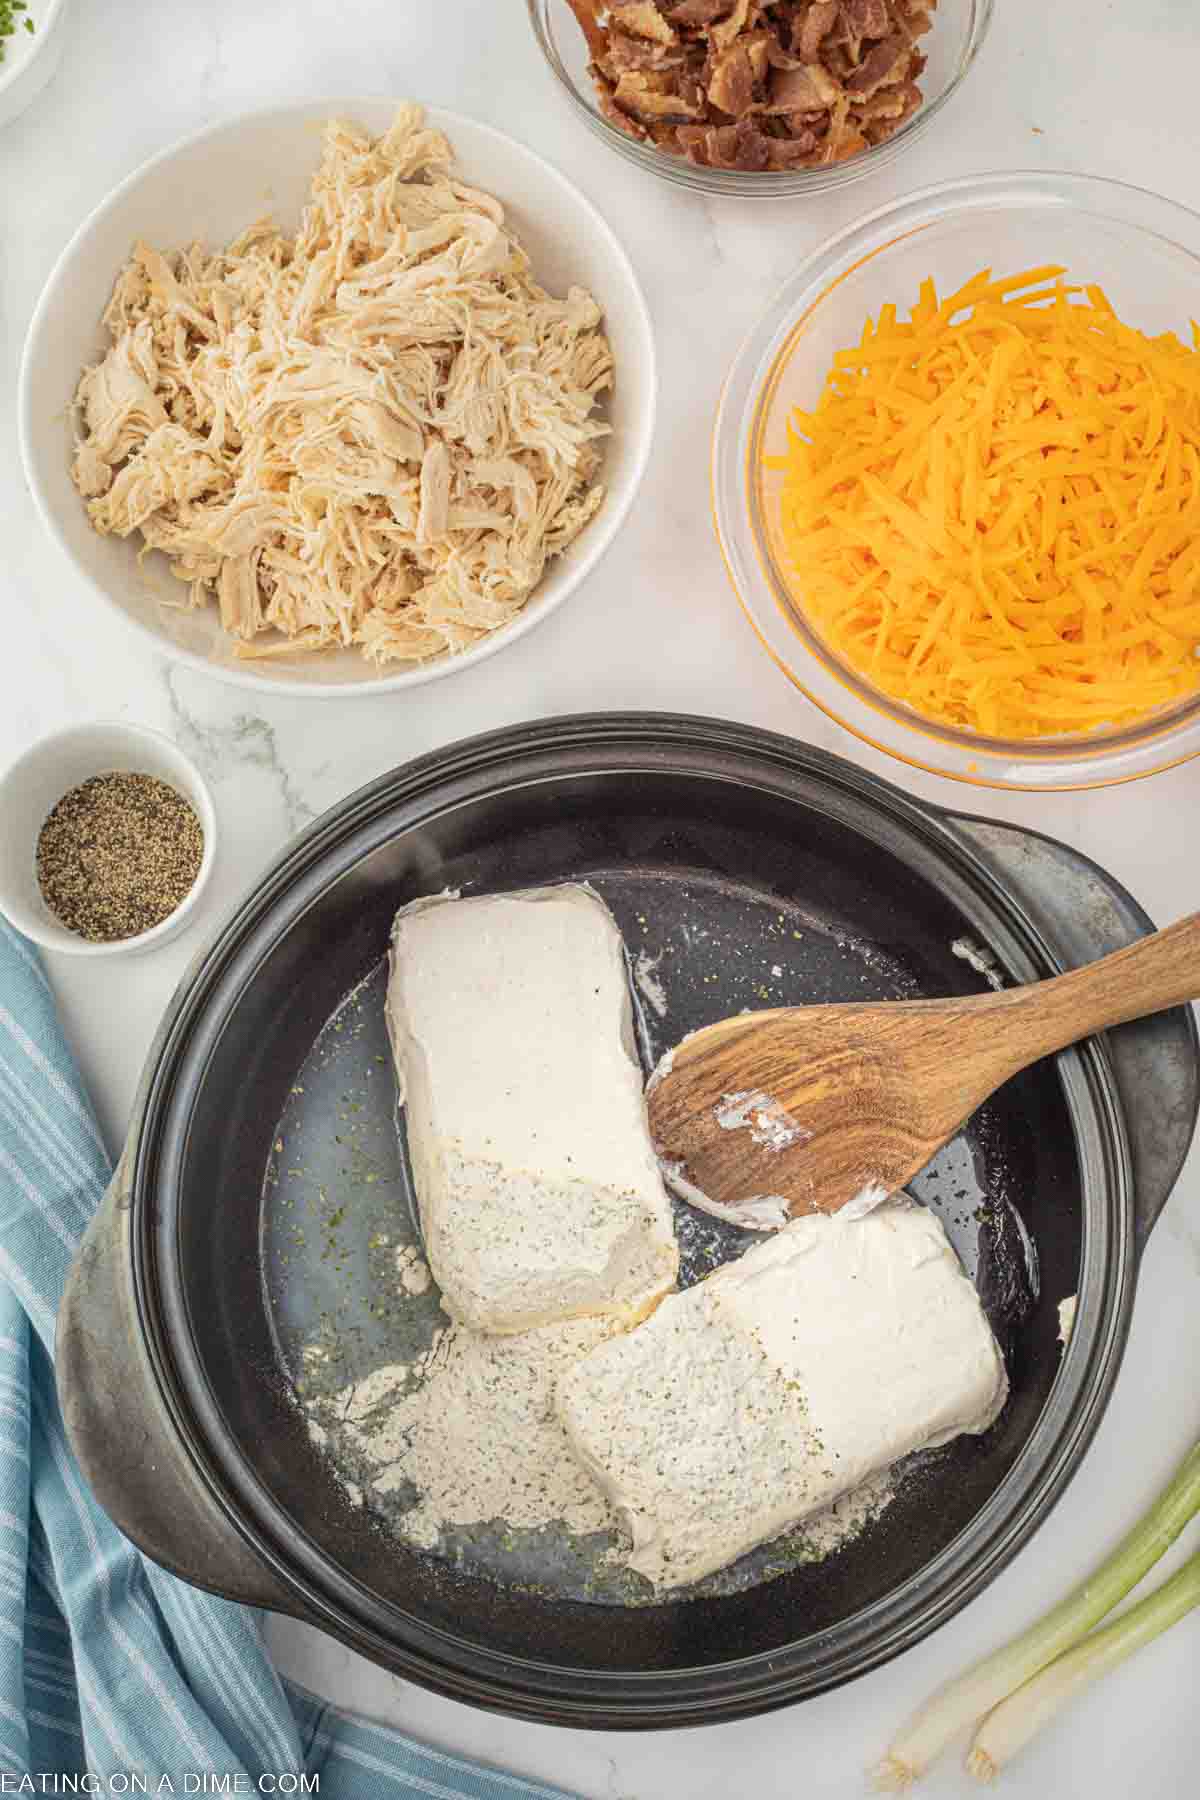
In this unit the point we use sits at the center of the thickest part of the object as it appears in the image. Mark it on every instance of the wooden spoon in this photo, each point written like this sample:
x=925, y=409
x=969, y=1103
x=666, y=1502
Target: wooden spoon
x=805, y=1108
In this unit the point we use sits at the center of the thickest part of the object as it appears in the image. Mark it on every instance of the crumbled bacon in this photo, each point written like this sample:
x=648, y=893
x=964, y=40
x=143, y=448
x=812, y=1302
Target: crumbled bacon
x=740, y=146
x=743, y=16
x=885, y=124
x=811, y=29
x=585, y=11
x=698, y=12
x=648, y=96
x=878, y=66
x=792, y=152
x=606, y=100
x=757, y=84
x=731, y=83
x=626, y=52
x=802, y=90
x=643, y=18
x=865, y=19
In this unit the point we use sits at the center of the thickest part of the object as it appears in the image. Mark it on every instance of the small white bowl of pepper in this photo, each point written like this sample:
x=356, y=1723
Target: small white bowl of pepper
x=107, y=840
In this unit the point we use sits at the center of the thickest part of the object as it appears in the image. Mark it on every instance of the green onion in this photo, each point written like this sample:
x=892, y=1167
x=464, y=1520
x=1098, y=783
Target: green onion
x=1009, y=1726
x=9, y=20
x=971, y=1696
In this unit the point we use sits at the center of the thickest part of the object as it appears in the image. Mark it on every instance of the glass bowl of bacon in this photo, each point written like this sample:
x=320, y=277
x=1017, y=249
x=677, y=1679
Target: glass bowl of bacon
x=766, y=97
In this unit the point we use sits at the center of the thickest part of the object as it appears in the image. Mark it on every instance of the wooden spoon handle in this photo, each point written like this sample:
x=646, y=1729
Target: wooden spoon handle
x=1159, y=971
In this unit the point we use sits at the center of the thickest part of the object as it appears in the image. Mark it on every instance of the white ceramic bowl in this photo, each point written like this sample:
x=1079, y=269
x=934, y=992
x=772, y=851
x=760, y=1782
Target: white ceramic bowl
x=31, y=59
x=34, y=784
x=210, y=187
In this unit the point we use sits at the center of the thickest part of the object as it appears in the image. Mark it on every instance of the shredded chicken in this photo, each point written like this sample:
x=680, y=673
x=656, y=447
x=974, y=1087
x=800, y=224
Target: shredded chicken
x=372, y=433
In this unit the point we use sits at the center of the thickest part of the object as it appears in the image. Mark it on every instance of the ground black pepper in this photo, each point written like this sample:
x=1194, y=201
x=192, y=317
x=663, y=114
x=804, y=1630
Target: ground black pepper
x=117, y=855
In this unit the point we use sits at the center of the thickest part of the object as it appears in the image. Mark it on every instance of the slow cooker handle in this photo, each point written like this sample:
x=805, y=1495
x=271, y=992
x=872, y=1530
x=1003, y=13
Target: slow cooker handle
x=1084, y=913
x=121, y=1434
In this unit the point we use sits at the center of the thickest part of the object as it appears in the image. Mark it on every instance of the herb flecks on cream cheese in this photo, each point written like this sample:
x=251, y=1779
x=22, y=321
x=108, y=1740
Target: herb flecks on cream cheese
x=758, y=1397
x=539, y=1193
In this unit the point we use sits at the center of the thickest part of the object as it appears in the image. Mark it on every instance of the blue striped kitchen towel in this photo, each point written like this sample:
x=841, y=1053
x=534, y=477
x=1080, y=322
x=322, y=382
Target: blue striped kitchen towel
x=114, y=1676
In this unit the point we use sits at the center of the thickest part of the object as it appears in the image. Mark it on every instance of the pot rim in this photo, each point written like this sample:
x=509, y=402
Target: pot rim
x=447, y=779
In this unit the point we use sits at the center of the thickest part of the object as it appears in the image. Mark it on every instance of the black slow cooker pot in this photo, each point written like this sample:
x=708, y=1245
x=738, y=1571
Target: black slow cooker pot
x=184, y=1418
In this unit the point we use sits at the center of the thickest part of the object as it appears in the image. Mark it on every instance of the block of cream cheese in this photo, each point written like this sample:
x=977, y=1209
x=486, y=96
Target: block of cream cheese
x=759, y=1396
x=512, y=1026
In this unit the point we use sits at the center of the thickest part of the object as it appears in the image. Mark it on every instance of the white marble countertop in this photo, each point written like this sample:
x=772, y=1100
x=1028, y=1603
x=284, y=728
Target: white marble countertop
x=1083, y=85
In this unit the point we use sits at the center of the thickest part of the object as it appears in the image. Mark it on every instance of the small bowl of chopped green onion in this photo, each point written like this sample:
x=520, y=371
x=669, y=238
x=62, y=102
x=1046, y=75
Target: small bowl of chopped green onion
x=107, y=840
x=32, y=36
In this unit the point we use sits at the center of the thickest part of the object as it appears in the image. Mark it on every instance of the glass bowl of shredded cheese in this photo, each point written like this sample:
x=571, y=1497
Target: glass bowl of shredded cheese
x=956, y=478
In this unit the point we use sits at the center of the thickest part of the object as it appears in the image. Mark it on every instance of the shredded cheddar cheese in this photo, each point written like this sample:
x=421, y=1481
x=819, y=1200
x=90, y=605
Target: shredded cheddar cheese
x=993, y=513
